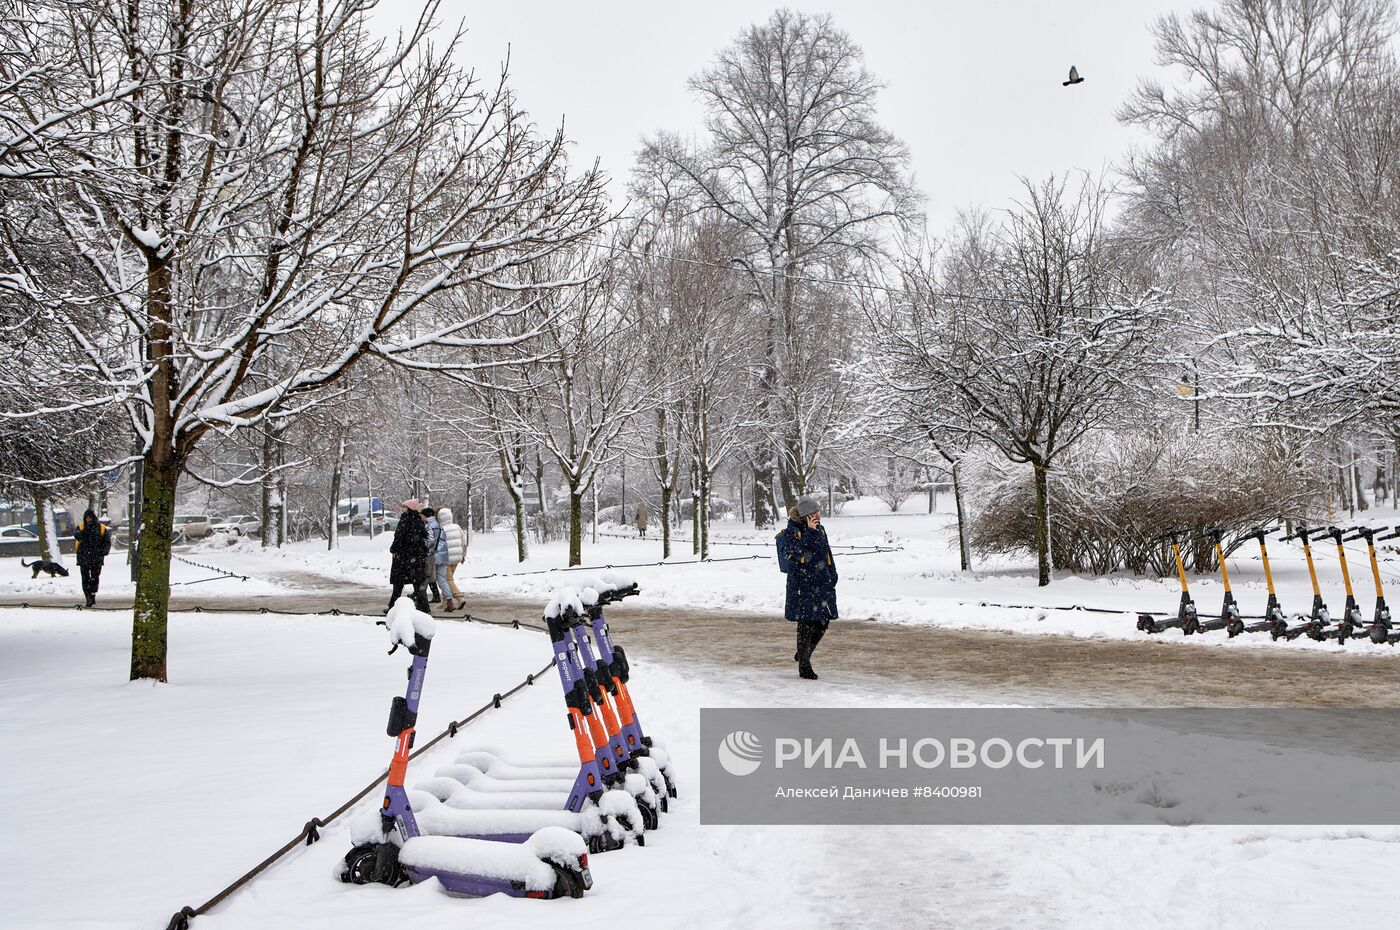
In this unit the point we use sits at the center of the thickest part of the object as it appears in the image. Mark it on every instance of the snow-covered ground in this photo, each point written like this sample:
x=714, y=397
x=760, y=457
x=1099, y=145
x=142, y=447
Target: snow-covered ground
x=918, y=584
x=131, y=800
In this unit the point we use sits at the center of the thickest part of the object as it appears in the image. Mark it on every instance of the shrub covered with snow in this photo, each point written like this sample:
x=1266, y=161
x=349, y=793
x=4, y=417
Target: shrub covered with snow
x=1110, y=498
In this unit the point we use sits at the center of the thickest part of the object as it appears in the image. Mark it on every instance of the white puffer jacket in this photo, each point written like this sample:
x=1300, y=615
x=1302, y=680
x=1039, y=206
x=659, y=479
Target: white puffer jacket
x=454, y=537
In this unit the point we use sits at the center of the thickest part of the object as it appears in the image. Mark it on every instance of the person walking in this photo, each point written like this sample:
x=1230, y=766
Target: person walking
x=642, y=516
x=408, y=549
x=91, y=543
x=452, y=552
x=434, y=528
x=805, y=555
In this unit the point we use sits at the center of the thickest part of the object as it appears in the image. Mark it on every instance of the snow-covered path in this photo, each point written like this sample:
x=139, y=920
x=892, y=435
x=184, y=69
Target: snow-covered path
x=942, y=664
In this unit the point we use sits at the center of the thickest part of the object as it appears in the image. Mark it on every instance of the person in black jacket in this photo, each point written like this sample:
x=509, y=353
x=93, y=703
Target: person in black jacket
x=409, y=548
x=91, y=543
x=811, y=580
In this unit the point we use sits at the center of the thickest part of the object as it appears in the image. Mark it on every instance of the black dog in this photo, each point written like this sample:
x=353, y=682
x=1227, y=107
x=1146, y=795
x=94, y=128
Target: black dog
x=39, y=565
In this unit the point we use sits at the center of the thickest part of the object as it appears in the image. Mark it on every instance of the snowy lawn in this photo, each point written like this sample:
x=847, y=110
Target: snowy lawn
x=135, y=799
x=919, y=584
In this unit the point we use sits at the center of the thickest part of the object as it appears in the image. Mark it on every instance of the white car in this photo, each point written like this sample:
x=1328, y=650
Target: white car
x=244, y=524
x=192, y=526
x=17, y=532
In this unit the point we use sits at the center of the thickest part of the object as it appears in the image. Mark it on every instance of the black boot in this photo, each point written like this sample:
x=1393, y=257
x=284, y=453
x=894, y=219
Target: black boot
x=805, y=645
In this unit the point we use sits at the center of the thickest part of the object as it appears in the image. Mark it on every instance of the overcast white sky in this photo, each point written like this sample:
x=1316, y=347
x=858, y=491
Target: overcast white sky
x=973, y=87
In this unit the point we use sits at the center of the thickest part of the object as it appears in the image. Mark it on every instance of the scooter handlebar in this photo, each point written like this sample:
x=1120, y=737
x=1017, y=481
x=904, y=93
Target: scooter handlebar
x=1393, y=534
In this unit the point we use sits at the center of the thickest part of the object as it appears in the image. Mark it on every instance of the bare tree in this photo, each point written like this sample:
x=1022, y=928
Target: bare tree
x=796, y=161
x=267, y=194
x=592, y=383
x=1044, y=351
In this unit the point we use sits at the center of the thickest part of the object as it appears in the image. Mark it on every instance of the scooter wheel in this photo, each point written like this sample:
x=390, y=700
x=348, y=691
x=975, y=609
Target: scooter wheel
x=595, y=845
x=650, y=819
x=665, y=804
x=359, y=865
x=1234, y=629
x=567, y=882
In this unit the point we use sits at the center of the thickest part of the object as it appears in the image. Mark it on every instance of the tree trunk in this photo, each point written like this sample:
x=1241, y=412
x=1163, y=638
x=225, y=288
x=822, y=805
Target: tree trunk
x=333, y=527
x=148, y=621
x=539, y=492
x=694, y=508
x=704, y=508
x=763, y=514
x=665, y=522
x=575, y=525
x=1358, y=483
x=268, y=514
x=1042, y=527
x=964, y=548
x=49, y=548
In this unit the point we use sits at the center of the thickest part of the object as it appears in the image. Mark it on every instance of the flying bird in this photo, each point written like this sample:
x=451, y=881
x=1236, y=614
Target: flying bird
x=1074, y=77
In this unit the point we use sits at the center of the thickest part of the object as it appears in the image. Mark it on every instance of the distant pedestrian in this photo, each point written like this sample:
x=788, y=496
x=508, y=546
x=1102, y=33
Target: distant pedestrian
x=408, y=549
x=805, y=555
x=642, y=515
x=452, y=551
x=434, y=528
x=91, y=543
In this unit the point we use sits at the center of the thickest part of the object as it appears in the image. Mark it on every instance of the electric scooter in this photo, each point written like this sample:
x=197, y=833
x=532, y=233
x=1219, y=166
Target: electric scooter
x=551, y=863
x=1317, y=622
x=599, y=774
x=1274, y=622
x=1351, y=613
x=1186, y=617
x=1229, y=619
x=1380, y=621
x=607, y=668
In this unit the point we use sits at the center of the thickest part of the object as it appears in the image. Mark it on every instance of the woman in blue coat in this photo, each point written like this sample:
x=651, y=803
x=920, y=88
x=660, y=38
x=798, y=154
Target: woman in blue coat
x=811, y=579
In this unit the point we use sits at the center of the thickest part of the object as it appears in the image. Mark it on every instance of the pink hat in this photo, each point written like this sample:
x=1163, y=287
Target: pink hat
x=413, y=503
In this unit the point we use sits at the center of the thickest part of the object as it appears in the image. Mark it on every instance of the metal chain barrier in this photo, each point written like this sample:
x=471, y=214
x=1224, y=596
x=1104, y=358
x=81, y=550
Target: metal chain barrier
x=868, y=550
x=310, y=831
x=209, y=568
x=724, y=542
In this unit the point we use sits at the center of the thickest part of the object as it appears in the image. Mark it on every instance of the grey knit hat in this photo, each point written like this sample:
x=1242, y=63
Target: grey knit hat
x=806, y=506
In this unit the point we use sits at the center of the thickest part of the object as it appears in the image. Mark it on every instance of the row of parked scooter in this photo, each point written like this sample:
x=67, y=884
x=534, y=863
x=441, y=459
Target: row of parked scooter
x=1318, y=624
x=486, y=824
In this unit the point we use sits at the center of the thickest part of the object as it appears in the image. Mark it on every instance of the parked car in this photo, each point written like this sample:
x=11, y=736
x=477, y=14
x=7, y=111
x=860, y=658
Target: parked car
x=192, y=526
x=358, y=513
x=244, y=524
x=17, y=532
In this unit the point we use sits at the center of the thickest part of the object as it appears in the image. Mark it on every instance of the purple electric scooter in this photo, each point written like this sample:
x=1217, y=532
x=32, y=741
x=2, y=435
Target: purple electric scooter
x=613, y=673
x=551, y=863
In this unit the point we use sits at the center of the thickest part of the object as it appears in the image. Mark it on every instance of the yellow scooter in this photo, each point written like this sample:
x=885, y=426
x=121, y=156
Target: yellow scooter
x=1316, y=624
x=1186, y=618
x=1229, y=619
x=1351, y=613
x=1274, y=622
